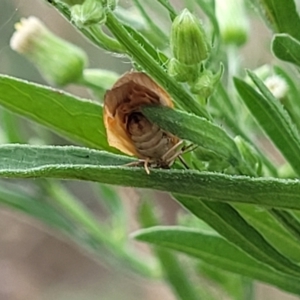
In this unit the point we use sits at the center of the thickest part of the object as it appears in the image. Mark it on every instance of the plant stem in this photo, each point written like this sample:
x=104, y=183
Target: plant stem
x=150, y=22
x=166, y=4
x=103, y=40
x=175, y=274
x=77, y=212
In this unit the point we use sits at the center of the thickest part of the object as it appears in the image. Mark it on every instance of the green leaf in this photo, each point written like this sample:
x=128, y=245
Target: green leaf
x=273, y=231
x=81, y=163
x=228, y=108
x=75, y=118
x=291, y=102
x=282, y=15
x=274, y=120
x=24, y=161
x=195, y=129
x=231, y=225
x=218, y=252
x=289, y=221
x=286, y=48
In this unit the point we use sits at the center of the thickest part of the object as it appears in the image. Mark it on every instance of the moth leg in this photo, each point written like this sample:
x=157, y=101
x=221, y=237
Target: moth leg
x=134, y=163
x=181, y=151
x=138, y=163
x=171, y=150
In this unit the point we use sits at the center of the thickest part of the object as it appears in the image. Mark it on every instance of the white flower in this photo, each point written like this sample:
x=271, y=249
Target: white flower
x=58, y=61
x=27, y=31
x=277, y=86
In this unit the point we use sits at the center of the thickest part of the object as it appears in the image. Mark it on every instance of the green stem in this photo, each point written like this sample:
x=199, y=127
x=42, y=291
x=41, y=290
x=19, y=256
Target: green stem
x=103, y=40
x=142, y=57
x=166, y=4
x=77, y=212
x=91, y=85
x=175, y=274
x=177, y=278
x=152, y=25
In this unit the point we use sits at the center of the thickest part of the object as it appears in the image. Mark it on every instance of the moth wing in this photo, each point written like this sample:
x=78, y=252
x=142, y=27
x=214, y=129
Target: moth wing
x=144, y=80
x=116, y=136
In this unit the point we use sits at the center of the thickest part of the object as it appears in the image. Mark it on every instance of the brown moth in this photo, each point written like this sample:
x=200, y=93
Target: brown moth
x=129, y=130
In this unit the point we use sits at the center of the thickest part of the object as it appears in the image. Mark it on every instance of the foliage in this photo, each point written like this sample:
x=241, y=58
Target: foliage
x=249, y=202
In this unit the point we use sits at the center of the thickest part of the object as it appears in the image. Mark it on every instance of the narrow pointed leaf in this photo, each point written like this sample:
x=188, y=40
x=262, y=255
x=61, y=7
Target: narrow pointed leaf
x=69, y=162
x=281, y=15
x=218, y=252
x=230, y=224
x=273, y=231
x=273, y=119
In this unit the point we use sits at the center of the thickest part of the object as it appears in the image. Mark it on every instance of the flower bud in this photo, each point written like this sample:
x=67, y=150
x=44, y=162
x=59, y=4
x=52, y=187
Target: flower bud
x=89, y=13
x=58, y=61
x=181, y=72
x=188, y=40
x=206, y=83
x=232, y=20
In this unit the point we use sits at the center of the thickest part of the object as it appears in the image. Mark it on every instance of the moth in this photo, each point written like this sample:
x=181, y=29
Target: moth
x=129, y=130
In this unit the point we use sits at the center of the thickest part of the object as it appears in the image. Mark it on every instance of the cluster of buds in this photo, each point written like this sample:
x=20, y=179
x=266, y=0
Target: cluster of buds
x=191, y=48
x=90, y=12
